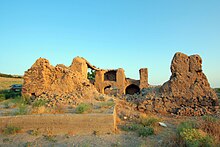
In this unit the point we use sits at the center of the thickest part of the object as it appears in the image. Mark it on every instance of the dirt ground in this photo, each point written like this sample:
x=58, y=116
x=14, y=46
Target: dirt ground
x=120, y=138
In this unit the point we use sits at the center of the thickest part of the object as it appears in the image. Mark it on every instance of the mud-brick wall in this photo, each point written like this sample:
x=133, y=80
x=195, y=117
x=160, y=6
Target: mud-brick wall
x=63, y=123
x=143, y=78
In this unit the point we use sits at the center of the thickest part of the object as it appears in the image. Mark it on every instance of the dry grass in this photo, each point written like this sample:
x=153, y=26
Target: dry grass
x=211, y=126
x=5, y=83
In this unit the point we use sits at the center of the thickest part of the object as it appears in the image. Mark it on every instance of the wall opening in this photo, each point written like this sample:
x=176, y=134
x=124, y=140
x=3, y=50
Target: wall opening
x=132, y=89
x=107, y=90
x=91, y=75
x=110, y=76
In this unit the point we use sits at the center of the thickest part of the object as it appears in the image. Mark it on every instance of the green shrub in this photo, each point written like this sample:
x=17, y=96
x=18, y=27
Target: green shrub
x=186, y=125
x=22, y=110
x=2, y=97
x=210, y=119
x=82, y=108
x=19, y=100
x=191, y=136
x=50, y=138
x=131, y=127
x=11, y=130
x=145, y=131
x=39, y=103
x=217, y=90
x=11, y=94
x=34, y=132
x=151, y=121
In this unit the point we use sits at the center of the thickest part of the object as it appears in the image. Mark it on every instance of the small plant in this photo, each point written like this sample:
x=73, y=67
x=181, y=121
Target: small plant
x=6, y=105
x=131, y=127
x=19, y=100
x=210, y=119
x=186, y=125
x=82, y=108
x=117, y=144
x=9, y=130
x=29, y=144
x=34, y=132
x=145, y=131
x=2, y=97
x=39, y=103
x=6, y=140
x=191, y=136
x=151, y=121
x=100, y=98
x=22, y=110
x=50, y=138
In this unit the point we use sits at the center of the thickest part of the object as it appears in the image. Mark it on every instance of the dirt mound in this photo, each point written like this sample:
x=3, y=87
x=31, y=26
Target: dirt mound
x=188, y=91
x=45, y=80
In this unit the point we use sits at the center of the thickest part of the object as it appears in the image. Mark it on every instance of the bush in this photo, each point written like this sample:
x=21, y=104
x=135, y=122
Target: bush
x=2, y=97
x=145, y=131
x=191, y=136
x=22, y=110
x=6, y=94
x=151, y=121
x=11, y=130
x=131, y=127
x=19, y=100
x=186, y=125
x=82, y=108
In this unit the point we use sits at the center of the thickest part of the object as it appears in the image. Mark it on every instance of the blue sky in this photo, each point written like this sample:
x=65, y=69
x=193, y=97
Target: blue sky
x=111, y=34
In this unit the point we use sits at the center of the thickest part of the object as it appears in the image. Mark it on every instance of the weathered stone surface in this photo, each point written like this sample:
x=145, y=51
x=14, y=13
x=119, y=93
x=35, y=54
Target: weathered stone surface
x=188, y=86
x=46, y=81
x=187, y=93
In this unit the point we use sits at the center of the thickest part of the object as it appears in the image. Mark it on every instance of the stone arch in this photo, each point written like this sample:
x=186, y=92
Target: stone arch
x=107, y=89
x=132, y=89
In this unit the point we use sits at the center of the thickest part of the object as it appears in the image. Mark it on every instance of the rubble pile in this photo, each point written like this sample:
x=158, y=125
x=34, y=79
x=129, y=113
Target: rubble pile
x=187, y=93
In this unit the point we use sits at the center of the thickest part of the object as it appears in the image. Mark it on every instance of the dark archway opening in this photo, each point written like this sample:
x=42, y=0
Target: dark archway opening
x=132, y=89
x=107, y=90
x=110, y=76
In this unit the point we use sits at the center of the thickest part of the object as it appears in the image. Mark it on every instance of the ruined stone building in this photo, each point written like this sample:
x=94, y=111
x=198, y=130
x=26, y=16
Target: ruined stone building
x=115, y=81
x=188, y=91
x=45, y=79
x=112, y=81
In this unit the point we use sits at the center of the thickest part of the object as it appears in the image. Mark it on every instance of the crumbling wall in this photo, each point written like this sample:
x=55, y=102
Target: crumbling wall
x=188, y=91
x=115, y=80
x=111, y=79
x=45, y=80
x=143, y=78
x=79, y=64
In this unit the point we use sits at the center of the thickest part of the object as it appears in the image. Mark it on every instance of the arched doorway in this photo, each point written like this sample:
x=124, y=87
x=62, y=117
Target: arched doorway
x=132, y=89
x=107, y=90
